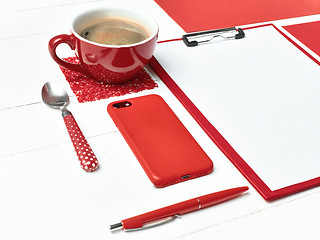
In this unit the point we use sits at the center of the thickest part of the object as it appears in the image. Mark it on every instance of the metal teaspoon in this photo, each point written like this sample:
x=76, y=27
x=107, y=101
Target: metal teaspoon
x=57, y=97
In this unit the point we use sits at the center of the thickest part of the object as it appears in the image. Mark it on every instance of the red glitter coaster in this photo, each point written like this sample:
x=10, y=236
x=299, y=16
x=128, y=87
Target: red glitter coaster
x=88, y=89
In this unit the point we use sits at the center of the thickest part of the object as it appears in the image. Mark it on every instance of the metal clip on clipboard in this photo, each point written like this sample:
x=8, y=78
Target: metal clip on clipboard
x=193, y=39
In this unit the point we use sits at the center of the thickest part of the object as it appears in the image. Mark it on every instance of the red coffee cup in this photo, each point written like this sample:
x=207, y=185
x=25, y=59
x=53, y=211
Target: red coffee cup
x=108, y=63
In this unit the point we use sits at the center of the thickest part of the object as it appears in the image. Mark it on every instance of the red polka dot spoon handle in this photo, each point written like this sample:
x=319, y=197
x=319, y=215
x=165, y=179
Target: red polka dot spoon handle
x=88, y=160
x=56, y=97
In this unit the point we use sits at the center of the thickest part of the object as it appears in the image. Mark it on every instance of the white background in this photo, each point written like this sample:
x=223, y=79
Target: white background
x=44, y=192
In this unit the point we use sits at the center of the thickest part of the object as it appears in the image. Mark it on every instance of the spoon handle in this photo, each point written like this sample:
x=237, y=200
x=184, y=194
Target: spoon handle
x=87, y=158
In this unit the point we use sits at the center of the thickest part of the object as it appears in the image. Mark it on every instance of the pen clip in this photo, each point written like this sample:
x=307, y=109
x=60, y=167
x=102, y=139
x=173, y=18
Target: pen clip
x=193, y=39
x=154, y=223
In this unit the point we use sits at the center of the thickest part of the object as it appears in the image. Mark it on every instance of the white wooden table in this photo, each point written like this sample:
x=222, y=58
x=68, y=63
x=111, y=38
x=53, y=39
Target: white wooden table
x=46, y=195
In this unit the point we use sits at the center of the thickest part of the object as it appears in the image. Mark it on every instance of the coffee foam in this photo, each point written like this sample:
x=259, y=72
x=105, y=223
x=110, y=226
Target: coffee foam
x=93, y=16
x=114, y=31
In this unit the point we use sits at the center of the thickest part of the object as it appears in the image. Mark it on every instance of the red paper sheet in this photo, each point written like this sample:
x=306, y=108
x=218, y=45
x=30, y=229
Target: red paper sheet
x=212, y=14
x=308, y=34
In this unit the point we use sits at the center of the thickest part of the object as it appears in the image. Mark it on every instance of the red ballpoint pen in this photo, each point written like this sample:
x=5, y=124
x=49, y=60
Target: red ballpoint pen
x=171, y=212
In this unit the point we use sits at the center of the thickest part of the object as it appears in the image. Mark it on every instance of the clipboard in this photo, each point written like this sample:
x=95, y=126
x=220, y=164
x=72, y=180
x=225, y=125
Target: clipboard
x=258, y=99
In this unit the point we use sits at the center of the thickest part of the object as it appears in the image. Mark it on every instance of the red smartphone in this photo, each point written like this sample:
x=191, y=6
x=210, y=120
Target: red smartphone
x=163, y=146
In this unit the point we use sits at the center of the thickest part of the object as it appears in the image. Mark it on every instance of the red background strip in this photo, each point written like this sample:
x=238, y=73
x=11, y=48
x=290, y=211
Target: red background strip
x=211, y=14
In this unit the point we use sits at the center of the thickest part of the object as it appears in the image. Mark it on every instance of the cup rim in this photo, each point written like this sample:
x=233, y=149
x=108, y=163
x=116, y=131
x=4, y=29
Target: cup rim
x=153, y=35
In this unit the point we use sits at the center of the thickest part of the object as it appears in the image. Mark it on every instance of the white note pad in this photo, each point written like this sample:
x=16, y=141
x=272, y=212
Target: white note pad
x=261, y=93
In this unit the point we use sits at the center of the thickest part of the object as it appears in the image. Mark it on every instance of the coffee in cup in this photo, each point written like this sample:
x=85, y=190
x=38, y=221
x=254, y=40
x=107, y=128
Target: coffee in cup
x=115, y=31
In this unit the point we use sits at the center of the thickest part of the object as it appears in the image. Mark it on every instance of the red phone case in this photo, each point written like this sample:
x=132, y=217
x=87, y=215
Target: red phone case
x=163, y=146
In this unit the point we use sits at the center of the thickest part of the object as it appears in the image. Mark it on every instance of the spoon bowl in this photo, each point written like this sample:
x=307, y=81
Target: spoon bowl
x=54, y=95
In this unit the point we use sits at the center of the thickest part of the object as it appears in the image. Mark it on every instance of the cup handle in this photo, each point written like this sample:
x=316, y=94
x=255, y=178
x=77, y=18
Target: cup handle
x=70, y=40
